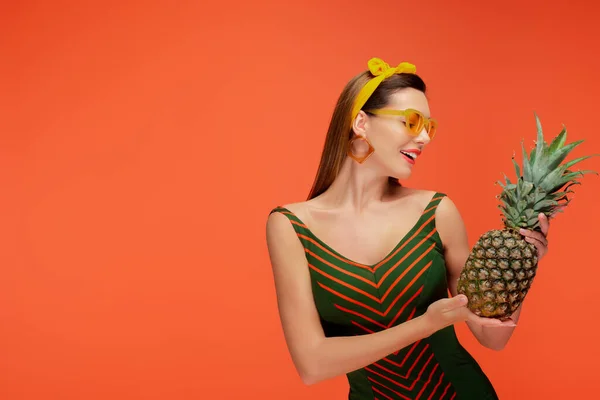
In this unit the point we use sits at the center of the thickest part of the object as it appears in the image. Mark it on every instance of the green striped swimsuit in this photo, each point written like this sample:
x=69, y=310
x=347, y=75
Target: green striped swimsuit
x=356, y=299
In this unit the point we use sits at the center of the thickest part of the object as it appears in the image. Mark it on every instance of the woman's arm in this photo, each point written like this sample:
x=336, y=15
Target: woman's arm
x=315, y=356
x=452, y=231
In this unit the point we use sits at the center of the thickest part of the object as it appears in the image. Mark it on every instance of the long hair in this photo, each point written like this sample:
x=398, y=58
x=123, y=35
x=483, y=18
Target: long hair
x=339, y=132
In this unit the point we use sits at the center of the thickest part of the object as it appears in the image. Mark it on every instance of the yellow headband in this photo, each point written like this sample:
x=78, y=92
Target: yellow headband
x=380, y=70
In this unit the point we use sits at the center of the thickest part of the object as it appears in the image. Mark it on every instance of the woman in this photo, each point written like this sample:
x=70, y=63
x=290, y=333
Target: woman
x=363, y=268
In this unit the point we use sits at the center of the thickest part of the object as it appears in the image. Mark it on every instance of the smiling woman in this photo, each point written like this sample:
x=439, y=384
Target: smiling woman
x=363, y=268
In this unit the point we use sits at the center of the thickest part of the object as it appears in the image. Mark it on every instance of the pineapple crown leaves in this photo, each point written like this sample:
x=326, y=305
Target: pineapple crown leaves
x=543, y=166
x=543, y=184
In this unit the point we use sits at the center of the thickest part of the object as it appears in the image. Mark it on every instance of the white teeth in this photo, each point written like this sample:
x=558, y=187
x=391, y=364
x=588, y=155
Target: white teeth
x=411, y=155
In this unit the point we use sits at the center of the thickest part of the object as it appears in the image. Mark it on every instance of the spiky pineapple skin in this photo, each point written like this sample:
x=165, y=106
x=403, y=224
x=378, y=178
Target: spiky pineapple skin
x=498, y=273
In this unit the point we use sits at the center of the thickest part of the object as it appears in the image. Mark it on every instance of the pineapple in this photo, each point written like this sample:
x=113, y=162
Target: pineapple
x=502, y=265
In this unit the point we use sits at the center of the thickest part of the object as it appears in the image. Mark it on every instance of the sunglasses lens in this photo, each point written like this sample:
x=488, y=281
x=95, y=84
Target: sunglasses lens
x=432, y=129
x=414, y=122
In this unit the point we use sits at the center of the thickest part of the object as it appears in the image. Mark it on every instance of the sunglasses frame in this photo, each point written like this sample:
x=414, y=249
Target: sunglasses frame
x=425, y=122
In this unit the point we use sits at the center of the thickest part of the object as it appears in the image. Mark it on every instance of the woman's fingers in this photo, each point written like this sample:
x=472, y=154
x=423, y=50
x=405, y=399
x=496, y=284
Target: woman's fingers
x=544, y=224
x=534, y=235
x=491, y=322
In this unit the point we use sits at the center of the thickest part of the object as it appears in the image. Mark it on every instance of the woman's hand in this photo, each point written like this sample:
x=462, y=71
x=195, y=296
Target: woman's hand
x=445, y=312
x=539, y=239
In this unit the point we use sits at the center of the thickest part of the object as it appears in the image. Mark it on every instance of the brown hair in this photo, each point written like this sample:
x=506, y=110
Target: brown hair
x=340, y=126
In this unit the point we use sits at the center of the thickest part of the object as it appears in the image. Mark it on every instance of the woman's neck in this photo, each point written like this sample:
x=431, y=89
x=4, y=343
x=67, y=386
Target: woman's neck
x=356, y=188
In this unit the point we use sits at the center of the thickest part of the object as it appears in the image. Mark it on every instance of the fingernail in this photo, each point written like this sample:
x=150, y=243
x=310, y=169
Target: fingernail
x=522, y=230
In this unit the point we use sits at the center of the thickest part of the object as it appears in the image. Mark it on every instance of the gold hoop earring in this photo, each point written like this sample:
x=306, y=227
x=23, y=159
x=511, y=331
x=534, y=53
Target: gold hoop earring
x=359, y=159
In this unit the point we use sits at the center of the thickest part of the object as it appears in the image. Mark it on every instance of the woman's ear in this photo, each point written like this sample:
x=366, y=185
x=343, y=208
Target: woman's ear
x=360, y=123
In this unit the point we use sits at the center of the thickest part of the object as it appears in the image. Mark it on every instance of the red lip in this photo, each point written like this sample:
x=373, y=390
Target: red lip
x=416, y=151
x=408, y=159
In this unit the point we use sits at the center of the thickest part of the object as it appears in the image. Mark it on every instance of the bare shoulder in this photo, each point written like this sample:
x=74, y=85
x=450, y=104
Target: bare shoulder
x=295, y=208
x=278, y=227
x=448, y=212
x=447, y=208
x=419, y=197
x=449, y=222
x=281, y=236
x=298, y=208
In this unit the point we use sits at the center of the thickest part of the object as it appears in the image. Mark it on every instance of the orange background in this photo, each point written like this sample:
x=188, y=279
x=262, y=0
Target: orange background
x=144, y=143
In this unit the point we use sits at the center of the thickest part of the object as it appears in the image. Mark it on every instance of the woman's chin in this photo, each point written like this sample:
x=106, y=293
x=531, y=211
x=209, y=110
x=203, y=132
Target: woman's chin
x=401, y=175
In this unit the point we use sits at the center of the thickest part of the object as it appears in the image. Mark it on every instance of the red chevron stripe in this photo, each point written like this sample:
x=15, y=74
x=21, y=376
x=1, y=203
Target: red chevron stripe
x=389, y=371
x=446, y=390
x=365, y=280
x=418, y=292
x=453, y=396
x=389, y=379
x=436, y=386
x=371, y=331
x=407, y=375
x=360, y=315
x=432, y=207
x=413, y=347
x=392, y=268
x=398, y=383
x=429, y=209
x=412, y=314
x=396, y=352
x=370, y=282
x=408, y=286
x=316, y=243
x=351, y=300
x=381, y=393
x=354, y=301
x=405, y=272
x=428, y=380
x=362, y=327
x=385, y=260
x=298, y=223
x=357, y=290
x=409, y=372
x=391, y=390
x=326, y=250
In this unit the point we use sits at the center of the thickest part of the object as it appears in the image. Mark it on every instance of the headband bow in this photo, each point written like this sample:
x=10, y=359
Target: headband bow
x=381, y=70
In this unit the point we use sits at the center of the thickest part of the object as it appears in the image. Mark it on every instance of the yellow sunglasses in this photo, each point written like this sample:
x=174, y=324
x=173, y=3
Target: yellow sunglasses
x=414, y=120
